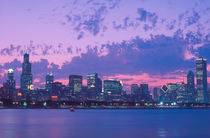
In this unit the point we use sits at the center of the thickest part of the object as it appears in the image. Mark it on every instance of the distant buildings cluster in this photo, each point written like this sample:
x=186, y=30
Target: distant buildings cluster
x=112, y=90
x=186, y=93
x=56, y=91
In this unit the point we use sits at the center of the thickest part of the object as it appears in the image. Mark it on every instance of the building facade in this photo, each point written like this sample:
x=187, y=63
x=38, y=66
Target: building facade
x=113, y=90
x=9, y=86
x=201, y=75
x=94, y=86
x=144, y=93
x=26, y=76
x=181, y=92
x=171, y=94
x=157, y=94
x=134, y=89
x=190, y=87
x=49, y=82
x=75, y=84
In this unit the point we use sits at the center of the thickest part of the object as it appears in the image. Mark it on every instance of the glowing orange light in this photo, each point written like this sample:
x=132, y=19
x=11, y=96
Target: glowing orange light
x=54, y=97
x=19, y=94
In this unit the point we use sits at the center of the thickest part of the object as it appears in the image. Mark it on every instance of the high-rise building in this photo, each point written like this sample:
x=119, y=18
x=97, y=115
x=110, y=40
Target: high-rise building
x=94, y=86
x=135, y=93
x=181, y=92
x=157, y=94
x=26, y=76
x=75, y=84
x=113, y=89
x=163, y=97
x=49, y=82
x=190, y=87
x=145, y=95
x=209, y=95
x=42, y=94
x=9, y=86
x=201, y=75
x=171, y=92
x=134, y=89
x=57, y=92
x=10, y=81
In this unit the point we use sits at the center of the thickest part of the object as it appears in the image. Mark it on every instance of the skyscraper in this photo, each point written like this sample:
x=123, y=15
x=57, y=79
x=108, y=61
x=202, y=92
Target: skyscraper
x=49, y=81
x=94, y=85
x=144, y=93
x=26, y=76
x=209, y=95
x=190, y=87
x=134, y=89
x=157, y=94
x=201, y=74
x=9, y=86
x=75, y=84
x=10, y=81
x=135, y=92
x=56, y=93
x=113, y=89
x=171, y=92
x=181, y=92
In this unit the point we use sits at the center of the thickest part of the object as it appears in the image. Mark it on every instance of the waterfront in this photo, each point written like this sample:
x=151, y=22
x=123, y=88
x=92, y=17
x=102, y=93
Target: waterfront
x=124, y=123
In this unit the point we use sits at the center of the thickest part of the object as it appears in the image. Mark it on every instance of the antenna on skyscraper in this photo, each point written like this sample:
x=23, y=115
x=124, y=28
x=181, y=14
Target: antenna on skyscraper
x=26, y=51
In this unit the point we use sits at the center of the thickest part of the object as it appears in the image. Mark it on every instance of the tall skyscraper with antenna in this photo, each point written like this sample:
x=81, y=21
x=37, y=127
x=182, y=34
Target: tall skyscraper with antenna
x=26, y=76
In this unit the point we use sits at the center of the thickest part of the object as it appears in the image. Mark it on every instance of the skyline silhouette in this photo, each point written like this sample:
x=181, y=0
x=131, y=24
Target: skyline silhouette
x=137, y=43
x=26, y=77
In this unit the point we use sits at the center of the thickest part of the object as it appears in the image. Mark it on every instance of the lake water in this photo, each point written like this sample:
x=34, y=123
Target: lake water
x=109, y=123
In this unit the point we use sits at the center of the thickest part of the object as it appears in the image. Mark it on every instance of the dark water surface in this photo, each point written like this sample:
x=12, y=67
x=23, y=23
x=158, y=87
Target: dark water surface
x=110, y=123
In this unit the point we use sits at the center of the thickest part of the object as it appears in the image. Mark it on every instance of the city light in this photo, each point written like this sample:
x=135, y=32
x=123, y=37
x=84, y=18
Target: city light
x=19, y=94
x=25, y=104
x=44, y=104
x=109, y=90
x=54, y=97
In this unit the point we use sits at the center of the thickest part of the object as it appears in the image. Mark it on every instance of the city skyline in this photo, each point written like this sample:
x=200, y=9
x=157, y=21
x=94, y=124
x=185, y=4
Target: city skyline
x=27, y=67
x=112, y=90
x=132, y=43
x=104, y=68
x=92, y=79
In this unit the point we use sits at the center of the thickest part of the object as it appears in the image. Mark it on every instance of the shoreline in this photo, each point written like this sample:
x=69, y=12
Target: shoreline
x=108, y=108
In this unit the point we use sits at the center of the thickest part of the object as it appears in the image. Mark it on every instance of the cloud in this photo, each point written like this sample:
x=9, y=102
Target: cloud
x=56, y=53
x=192, y=19
x=171, y=25
x=39, y=70
x=89, y=18
x=127, y=23
x=15, y=65
x=146, y=16
x=188, y=55
x=152, y=80
x=159, y=55
x=32, y=48
x=80, y=35
x=10, y=50
x=98, y=19
x=208, y=68
x=155, y=61
x=204, y=51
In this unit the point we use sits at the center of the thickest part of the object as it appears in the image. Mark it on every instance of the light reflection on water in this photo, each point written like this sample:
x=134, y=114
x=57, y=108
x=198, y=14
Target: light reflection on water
x=104, y=123
x=162, y=133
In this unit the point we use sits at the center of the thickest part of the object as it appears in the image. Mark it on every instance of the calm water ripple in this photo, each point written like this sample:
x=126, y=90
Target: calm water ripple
x=155, y=123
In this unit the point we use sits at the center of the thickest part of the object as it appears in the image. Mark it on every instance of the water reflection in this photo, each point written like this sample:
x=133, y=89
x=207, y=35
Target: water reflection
x=162, y=133
x=104, y=123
